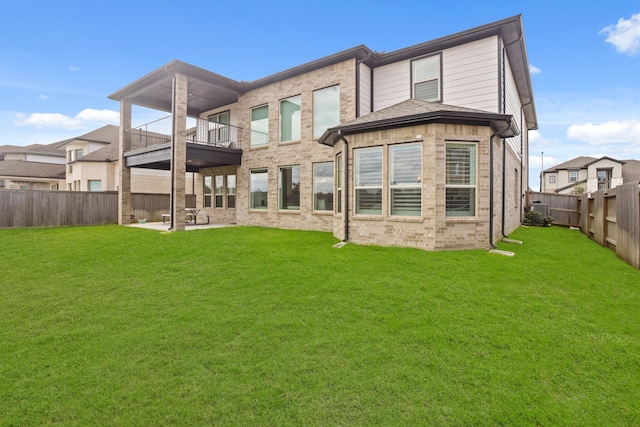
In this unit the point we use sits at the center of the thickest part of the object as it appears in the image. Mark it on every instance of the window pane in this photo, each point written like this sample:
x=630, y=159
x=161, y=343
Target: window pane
x=323, y=186
x=219, y=189
x=369, y=201
x=95, y=185
x=207, y=191
x=231, y=191
x=326, y=109
x=339, y=176
x=289, y=194
x=406, y=201
x=260, y=126
x=426, y=79
x=368, y=167
x=461, y=201
x=405, y=179
x=461, y=164
x=290, y=119
x=406, y=164
x=259, y=186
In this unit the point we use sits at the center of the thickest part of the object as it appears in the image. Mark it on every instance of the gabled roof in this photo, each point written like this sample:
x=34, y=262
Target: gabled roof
x=106, y=134
x=415, y=112
x=24, y=169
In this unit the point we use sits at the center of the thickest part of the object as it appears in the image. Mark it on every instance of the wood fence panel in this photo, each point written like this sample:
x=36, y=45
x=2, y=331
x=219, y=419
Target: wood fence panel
x=628, y=241
x=597, y=218
x=563, y=208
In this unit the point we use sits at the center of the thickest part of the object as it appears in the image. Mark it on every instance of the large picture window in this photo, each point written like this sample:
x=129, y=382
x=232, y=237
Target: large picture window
x=231, y=191
x=218, y=190
x=289, y=187
x=368, y=180
x=405, y=179
x=323, y=186
x=207, y=191
x=259, y=184
x=425, y=74
x=290, y=123
x=461, y=161
x=260, y=126
x=326, y=109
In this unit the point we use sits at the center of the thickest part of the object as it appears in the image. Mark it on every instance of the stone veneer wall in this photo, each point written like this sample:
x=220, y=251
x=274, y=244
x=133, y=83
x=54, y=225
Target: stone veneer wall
x=305, y=152
x=433, y=230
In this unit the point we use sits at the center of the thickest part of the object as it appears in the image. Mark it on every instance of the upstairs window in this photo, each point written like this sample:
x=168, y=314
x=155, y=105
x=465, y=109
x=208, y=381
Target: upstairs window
x=604, y=179
x=290, y=123
x=425, y=75
x=260, y=126
x=573, y=176
x=219, y=128
x=326, y=109
x=552, y=179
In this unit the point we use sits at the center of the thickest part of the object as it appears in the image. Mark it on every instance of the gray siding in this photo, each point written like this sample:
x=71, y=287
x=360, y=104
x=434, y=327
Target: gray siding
x=512, y=106
x=365, y=90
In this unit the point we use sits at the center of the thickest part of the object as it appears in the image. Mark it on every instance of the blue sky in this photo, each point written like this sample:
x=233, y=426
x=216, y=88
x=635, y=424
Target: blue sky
x=59, y=60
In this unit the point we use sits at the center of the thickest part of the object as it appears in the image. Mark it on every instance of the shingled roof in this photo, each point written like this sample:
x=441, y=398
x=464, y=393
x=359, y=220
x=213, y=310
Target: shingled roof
x=24, y=169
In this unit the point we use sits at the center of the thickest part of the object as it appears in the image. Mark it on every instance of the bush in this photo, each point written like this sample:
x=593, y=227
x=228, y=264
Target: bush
x=537, y=218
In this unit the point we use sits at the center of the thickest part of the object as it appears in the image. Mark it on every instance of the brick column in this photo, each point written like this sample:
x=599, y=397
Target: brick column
x=179, y=152
x=124, y=172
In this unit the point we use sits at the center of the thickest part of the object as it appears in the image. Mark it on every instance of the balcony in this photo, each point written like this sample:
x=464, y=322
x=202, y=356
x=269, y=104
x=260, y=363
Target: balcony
x=209, y=144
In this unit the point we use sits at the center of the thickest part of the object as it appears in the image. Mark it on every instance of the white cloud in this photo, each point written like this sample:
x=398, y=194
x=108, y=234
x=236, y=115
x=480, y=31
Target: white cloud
x=625, y=35
x=617, y=131
x=43, y=97
x=534, y=70
x=86, y=118
x=73, y=68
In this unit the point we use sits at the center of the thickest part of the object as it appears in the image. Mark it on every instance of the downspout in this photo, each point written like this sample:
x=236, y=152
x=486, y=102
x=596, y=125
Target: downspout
x=491, y=184
x=346, y=185
x=504, y=145
x=522, y=156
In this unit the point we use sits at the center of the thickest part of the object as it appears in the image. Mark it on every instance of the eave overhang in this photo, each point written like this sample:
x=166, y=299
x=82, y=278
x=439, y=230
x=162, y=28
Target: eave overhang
x=496, y=121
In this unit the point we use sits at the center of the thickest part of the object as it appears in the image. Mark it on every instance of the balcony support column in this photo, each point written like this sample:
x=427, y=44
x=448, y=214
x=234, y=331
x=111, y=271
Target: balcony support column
x=124, y=172
x=179, y=151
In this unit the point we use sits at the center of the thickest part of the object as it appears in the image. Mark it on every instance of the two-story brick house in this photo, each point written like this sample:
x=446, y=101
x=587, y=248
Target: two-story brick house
x=425, y=146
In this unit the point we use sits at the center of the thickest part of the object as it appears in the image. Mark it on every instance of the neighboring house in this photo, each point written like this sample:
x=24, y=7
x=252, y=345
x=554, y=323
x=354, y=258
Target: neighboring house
x=426, y=146
x=588, y=174
x=34, y=167
x=88, y=162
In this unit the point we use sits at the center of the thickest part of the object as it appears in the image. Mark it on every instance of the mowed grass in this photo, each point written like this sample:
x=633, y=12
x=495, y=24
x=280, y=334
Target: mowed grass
x=253, y=326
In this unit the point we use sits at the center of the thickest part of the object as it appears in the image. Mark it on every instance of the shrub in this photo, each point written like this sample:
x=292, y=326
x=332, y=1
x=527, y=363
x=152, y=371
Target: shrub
x=537, y=218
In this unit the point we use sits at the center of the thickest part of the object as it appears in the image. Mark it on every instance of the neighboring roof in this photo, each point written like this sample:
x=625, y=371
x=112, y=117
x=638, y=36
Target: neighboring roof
x=49, y=149
x=576, y=163
x=581, y=162
x=108, y=153
x=24, y=169
x=208, y=90
x=415, y=112
x=631, y=171
x=106, y=134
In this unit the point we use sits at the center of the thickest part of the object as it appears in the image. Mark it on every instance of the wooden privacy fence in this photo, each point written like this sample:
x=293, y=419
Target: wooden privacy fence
x=33, y=208
x=610, y=218
x=563, y=208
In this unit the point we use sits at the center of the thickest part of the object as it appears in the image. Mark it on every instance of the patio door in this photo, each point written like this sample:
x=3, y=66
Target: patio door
x=219, y=128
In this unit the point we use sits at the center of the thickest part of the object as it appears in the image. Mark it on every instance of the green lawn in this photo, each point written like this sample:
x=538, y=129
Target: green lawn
x=251, y=326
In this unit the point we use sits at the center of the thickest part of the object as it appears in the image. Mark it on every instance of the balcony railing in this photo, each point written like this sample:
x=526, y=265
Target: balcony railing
x=198, y=132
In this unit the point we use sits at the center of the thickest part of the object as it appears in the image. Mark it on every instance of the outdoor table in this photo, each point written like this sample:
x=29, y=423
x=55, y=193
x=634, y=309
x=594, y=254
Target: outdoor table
x=193, y=213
